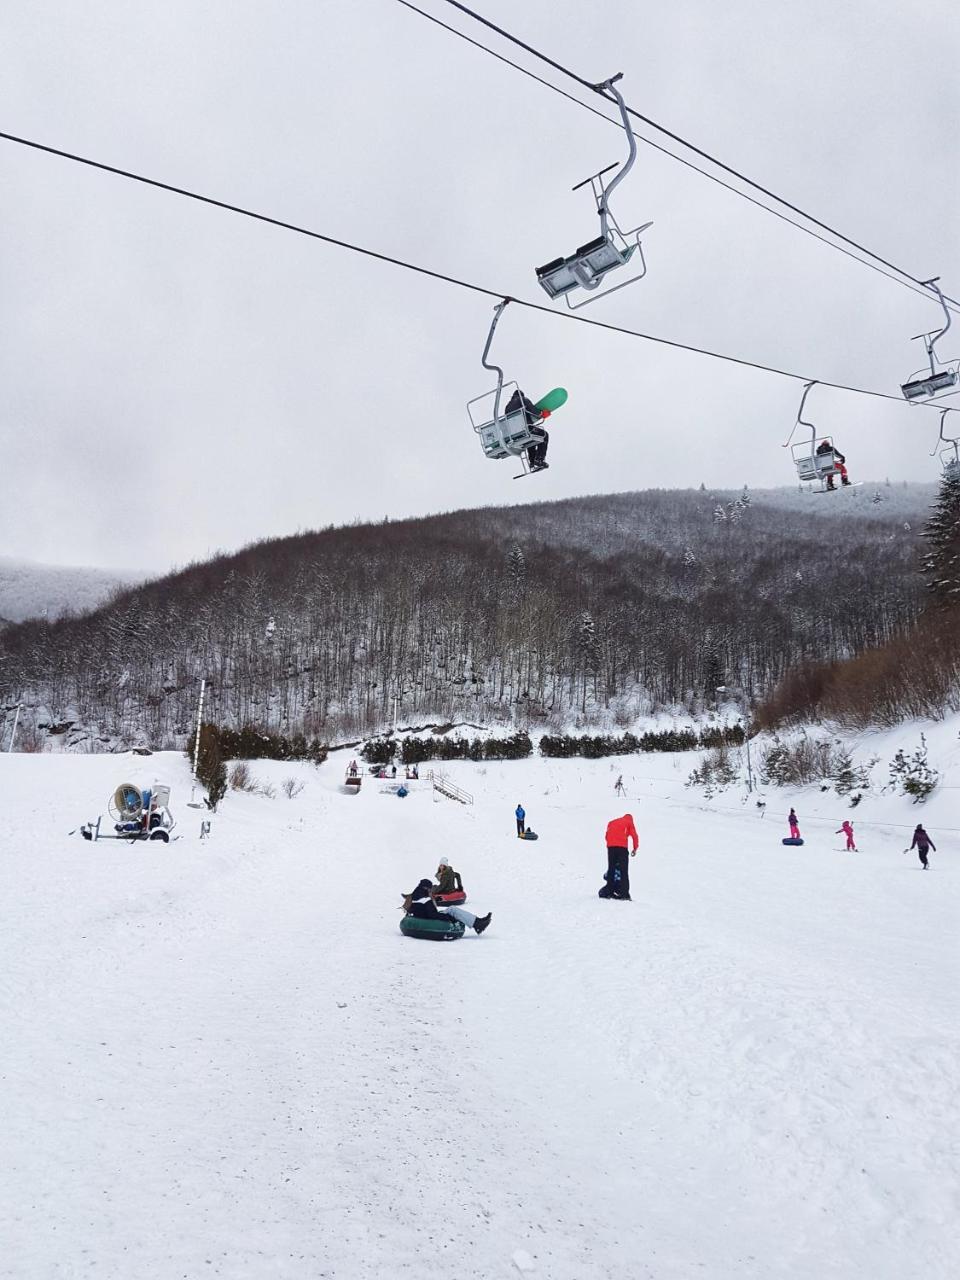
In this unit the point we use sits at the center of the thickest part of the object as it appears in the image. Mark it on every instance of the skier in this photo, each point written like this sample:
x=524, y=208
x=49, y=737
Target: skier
x=846, y=827
x=620, y=832
x=450, y=881
x=923, y=844
x=420, y=903
x=521, y=821
x=794, y=825
x=536, y=453
x=619, y=789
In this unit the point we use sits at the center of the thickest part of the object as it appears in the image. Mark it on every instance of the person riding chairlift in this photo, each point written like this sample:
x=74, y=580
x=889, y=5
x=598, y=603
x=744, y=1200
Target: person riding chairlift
x=826, y=447
x=536, y=453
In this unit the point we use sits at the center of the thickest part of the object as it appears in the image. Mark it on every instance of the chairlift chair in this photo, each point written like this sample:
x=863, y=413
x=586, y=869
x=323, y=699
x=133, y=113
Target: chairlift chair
x=502, y=435
x=950, y=456
x=943, y=377
x=589, y=266
x=812, y=466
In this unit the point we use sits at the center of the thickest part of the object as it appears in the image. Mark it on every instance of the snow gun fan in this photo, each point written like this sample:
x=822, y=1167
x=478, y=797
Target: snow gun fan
x=590, y=265
x=508, y=435
x=818, y=461
x=136, y=814
x=942, y=378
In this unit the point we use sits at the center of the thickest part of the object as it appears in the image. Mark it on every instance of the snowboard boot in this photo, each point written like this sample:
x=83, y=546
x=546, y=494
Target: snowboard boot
x=481, y=922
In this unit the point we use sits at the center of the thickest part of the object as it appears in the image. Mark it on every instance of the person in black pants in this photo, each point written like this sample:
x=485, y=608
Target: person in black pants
x=923, y=844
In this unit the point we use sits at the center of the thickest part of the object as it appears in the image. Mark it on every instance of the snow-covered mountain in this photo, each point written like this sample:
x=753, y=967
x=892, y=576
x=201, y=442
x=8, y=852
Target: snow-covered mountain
x=32, y=590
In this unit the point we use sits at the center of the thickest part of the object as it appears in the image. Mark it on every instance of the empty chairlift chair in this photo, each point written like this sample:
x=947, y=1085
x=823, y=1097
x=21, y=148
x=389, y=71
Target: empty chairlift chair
x=943, y=378
x=950, y=456
x=590, y=265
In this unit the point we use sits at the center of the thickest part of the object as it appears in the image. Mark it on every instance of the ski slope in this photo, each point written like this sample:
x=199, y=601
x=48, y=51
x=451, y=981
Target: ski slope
x=223, y=1059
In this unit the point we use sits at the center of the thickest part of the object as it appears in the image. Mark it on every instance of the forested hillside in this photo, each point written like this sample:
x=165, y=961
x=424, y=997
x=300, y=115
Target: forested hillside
x=593, y=609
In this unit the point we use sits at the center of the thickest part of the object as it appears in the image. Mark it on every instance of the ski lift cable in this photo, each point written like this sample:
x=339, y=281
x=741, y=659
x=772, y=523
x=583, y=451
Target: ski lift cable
x=649, y=142
x=902, y=276
x=377, y=256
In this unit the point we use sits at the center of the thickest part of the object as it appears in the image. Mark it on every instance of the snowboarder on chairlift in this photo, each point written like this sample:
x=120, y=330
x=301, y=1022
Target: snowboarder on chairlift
x=794, y=825
x=826, y=447
x=532, y=416
x=923, y=844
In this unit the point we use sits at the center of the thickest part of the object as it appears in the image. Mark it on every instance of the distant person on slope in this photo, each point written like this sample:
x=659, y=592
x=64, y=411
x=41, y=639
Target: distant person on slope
x=923, y=844
x=794, y=825
x=620, y=832
x=420, y=903
x=846, y=827
x=521, y=820
x=449, y=879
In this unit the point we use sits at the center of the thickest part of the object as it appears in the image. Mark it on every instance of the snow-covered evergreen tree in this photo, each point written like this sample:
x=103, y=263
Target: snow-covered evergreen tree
x=941, y=564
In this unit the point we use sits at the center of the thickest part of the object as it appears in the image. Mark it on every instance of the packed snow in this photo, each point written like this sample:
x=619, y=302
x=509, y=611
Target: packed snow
x=223, y=1058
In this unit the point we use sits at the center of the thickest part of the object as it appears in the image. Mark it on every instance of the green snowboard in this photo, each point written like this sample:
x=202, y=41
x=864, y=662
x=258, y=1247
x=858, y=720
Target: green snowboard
x=552, y=400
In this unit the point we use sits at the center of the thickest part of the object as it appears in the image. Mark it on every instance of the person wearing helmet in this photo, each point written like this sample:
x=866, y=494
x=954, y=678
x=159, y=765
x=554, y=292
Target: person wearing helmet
x=621, y=832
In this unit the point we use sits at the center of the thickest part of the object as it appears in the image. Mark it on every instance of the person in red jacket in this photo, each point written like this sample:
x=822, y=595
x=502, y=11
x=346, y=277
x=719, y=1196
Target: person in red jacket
x=620, y=832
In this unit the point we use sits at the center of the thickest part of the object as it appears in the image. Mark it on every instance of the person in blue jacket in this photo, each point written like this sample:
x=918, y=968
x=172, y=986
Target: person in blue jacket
x=521, y=821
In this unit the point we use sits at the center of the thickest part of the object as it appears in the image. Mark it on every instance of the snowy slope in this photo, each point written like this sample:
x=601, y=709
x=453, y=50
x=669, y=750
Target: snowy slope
x=31, y=590
x=222, y=1058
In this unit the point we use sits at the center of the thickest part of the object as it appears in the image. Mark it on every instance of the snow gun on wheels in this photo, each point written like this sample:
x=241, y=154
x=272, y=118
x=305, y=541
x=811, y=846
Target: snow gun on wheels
x=590, y=265
x=514, y=431
x=136, y=814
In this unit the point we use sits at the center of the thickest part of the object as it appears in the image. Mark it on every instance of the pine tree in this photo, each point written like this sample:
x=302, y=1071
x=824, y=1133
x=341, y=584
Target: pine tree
x=941, y=565
x=517, y=569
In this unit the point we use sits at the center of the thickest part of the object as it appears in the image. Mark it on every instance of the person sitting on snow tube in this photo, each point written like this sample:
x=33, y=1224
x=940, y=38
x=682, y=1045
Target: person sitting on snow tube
x=450, y=881
x=420, y=904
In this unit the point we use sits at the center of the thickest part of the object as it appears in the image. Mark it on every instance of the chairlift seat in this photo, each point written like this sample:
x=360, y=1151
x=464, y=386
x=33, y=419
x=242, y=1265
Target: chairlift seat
x=585, y=268
x=815, y=466
x=508, y=437
x=922, y=388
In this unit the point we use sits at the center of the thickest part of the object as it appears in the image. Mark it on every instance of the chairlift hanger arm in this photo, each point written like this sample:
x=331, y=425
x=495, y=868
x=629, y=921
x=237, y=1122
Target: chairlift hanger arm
x=800, y=421
x=942, y=439
x=607, y=192
x=495, y=368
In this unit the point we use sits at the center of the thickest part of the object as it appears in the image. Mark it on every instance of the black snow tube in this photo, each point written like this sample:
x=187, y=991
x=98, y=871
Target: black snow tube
x=434, y=930
x=792, y=840
x=529, y=835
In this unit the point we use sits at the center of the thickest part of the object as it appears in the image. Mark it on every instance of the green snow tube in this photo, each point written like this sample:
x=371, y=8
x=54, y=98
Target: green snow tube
x=436, y=930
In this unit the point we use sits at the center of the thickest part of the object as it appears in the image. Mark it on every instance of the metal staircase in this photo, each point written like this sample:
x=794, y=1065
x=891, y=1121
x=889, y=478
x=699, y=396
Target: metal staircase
x=444, y=787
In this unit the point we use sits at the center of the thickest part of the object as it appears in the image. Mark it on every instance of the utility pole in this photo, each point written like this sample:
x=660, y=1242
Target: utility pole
x=13, y=735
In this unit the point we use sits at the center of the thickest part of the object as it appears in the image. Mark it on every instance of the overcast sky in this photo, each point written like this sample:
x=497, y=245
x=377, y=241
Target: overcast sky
x=175, y=380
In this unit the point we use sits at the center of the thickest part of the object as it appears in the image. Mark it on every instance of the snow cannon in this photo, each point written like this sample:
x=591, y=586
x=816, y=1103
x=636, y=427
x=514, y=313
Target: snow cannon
x=433, y=930
x=137, y=815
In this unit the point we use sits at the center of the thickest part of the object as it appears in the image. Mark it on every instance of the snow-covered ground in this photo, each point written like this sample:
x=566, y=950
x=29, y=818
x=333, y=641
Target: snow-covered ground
x=222, y=1057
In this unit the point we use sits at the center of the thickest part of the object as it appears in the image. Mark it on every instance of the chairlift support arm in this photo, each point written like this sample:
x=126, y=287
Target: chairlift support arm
x=494, y=368
x=800, y=420
x=930, y=340
x=610, y=86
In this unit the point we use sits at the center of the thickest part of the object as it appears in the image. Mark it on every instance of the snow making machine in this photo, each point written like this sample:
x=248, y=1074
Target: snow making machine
x=135, y=814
